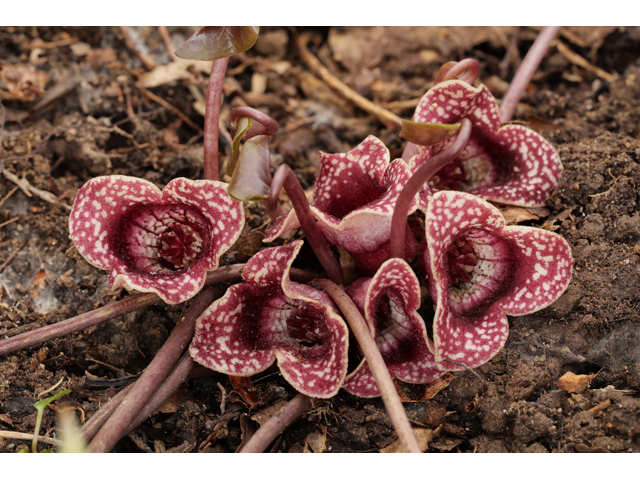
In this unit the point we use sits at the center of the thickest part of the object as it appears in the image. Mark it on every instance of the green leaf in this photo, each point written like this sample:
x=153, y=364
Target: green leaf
x=244, y=123
x=212, y=43
x=46, y=401
x=251, y=179
x=40, y=406
x=427, y=134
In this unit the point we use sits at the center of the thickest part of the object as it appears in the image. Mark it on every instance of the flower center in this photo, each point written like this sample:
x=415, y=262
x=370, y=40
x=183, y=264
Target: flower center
x=480, y=266
x=161, y=239
x=460, y=260
x=395, y=330
x=294, y=322
x=477, y=166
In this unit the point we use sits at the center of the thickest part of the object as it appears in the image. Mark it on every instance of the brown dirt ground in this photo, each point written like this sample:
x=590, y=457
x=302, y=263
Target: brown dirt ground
x=590, y=111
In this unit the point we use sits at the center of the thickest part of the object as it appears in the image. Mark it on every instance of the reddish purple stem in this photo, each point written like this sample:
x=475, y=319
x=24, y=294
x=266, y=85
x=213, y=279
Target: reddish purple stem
x=183, y=369
x=376, y=363
x=277, y=424
x=122, y=419
x=230, y=273
x=525, y=72
x=212, y=118
x=264, y=124
x=284, y=177
x=466, y=70
x=415, y=183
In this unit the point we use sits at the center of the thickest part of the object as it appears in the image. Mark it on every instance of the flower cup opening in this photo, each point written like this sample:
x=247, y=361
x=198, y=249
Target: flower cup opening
x=161, y=239
x=481, y=267
x=396, y=337
x=476, y=166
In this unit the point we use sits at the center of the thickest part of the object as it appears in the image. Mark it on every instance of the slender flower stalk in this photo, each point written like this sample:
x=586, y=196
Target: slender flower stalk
x=264, y=124
x=273, y=427
x=361, y=331
x=121, y=421
x=466, y=70
x=285, y=178
x=525, y=72
x=212, y=118
x=416, y=182
x=230, y=273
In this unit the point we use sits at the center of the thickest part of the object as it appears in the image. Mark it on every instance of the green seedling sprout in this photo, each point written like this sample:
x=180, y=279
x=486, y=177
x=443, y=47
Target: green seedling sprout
x=40, y=406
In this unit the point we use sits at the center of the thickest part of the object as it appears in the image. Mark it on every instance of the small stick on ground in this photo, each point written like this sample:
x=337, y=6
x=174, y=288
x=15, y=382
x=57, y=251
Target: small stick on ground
x=164, y=103
x=29, y=437
x=166, y=39
x=146, y=60
x=273, y=427
x=383, y=379
x=385, y=116
x=15, y=252
x=582, y=62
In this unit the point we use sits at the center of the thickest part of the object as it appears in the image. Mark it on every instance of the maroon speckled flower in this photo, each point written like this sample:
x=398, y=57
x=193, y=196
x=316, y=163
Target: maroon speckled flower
x=510, y=164
x=389, y=302
x=272, y=318
x=479, y=270
x=151, y=240
x=355, y=194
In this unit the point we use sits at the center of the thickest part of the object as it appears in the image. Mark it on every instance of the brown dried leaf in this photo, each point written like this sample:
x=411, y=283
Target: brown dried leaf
x=173, y=72
x=424, y=436
x=266, y=413
x=22, y=82
x=414, y=393
x=572, y=383
x=513, y=214
x=316, y=441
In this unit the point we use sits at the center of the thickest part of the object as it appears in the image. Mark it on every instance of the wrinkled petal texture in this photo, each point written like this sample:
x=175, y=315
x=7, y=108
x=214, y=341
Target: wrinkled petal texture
x=510, y=164
x=515, y=271
x=151, y=240
x=355, y=194
x=390, y=301
x=272, y=318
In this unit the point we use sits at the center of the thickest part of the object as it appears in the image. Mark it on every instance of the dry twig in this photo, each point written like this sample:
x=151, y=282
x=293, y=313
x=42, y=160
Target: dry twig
x=385, y=116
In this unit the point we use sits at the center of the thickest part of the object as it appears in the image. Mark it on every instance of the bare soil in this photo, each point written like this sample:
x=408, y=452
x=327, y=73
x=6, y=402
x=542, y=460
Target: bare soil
x=92, y=116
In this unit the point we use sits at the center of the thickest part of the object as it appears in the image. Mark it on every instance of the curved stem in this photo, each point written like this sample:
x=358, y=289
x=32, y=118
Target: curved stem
x=378, y=368
x=278, y=423
x=265, y=124
x=212, y=118
x=415, y=183
x=121, y=421
x=230, y=273
x=525, y=72
x=284, y=177
x=466, y=70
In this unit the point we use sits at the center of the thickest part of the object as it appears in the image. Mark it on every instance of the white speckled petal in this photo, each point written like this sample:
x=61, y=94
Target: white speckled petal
x=517, y=270
x=510, y=164
x=153, y=241
x=391, y=301
x=271, y=317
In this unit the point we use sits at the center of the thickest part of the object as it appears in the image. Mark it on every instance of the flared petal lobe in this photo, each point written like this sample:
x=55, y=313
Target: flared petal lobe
x=272, y=318
x=479, y=270
x=389, y=302
x=152, y=240
x=355, y=194
x=510, y=164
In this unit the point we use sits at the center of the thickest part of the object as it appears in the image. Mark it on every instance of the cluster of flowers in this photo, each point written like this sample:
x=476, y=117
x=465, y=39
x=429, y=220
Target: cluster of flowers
x=478, y=269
